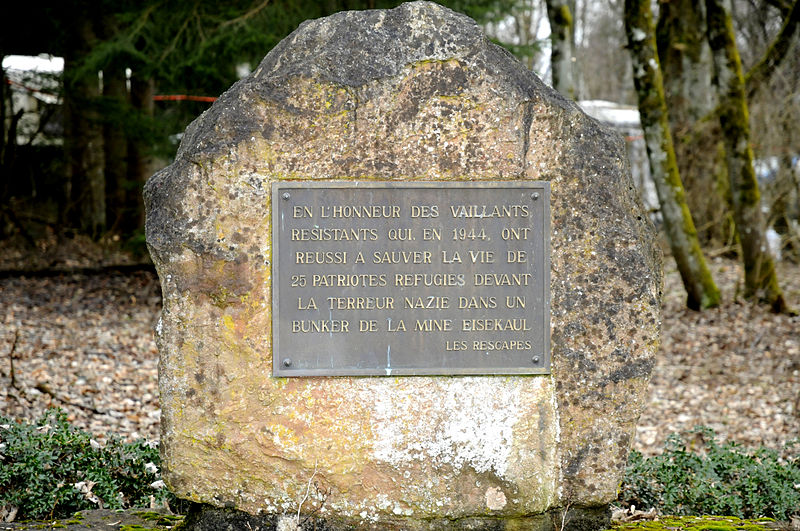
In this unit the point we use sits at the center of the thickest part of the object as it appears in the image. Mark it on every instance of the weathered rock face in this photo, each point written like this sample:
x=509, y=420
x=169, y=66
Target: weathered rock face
x=413, y=93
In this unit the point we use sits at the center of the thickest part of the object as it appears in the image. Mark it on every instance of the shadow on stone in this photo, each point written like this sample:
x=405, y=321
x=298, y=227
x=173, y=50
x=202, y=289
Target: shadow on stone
x=209, y=518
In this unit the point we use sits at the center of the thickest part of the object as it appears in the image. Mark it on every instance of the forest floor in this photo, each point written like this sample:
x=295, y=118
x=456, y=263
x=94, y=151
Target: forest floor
x=84, y=342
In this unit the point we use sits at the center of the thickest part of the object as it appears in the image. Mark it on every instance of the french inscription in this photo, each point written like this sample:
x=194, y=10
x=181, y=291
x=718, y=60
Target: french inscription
x=387, y=278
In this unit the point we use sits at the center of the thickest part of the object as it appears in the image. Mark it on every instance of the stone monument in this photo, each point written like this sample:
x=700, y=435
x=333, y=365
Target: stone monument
x=322, y=201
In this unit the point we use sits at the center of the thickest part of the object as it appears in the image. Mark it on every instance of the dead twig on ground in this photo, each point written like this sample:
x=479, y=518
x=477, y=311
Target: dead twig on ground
x=12, y=374
x=565, y=516
x=43, y=388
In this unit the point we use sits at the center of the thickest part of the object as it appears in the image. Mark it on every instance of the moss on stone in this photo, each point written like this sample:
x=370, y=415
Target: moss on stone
x=159, y=518
x=285, y=432
x=697, y=523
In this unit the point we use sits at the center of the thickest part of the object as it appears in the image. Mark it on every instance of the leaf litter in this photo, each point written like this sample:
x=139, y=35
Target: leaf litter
x=85, y=343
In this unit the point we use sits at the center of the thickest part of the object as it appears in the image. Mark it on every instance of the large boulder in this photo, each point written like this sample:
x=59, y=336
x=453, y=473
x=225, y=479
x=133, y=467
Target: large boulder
x=412, y=93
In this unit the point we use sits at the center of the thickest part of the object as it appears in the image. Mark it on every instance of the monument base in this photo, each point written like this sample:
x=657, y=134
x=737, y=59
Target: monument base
x=209, y=518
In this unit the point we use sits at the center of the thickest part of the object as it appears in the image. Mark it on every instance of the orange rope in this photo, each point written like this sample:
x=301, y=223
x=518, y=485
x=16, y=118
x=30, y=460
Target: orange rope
x=29, y=89
x=184, y=97
x=168, y=97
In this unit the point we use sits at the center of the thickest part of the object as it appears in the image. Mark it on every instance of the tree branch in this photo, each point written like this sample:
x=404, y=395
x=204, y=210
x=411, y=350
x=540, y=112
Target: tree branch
x=44, y=388
x=12, y=373
x=172, y=45
x=777, y=52
x=763, y=69
x=245, y=16
x=141, y=22
x=781, y=5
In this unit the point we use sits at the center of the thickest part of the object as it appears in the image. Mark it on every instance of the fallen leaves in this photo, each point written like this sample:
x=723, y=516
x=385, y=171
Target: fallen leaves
x=735, y=368
x=85, y=343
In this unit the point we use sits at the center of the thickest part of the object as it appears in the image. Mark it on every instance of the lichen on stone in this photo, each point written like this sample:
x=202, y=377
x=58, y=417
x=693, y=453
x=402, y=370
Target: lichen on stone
x=413, y=93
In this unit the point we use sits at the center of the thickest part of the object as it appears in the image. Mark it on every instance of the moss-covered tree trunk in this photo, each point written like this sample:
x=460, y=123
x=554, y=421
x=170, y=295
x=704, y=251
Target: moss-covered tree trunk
x=760, y=279
x=700, y=287
x=686, y=68
x=561, y=46
x=685, y=60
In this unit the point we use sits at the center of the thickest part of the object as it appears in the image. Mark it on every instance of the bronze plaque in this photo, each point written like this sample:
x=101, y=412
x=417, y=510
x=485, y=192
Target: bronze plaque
x=411, y=278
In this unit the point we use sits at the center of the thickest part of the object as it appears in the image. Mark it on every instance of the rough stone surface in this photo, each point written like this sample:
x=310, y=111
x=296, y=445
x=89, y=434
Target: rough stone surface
x=416, y=92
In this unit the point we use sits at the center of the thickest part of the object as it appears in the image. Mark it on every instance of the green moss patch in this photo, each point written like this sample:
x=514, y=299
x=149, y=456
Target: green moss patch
x=698, y=523
x=159, y=518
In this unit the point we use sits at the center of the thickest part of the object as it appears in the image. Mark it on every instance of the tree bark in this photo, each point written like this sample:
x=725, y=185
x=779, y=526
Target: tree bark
x=5, y=139
x=761, y=282
x=701, y=290
x=140, y=159
x=85, y=194
x=685, y=60
x=561, y=45
x=115, y=96
x=4, y=131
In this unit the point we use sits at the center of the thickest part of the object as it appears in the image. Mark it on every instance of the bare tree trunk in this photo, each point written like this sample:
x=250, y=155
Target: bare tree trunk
x=523, y=23
x=686, y=67
x=685, y=59
x=760, y=279
x=86, y=207
x=5, y=140
x=140, y=160
x=561, y=42
x=115, y=96
x=700, y=288
x=526, y=19
x=3, y=133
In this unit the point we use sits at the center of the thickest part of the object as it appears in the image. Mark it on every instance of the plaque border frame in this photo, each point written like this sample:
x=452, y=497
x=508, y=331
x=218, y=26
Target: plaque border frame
x=282, y=186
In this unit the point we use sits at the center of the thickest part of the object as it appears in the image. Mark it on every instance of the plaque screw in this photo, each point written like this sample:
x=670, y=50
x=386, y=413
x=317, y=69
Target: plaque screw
x=286, y=195
x=287, y=362
x=535, y=359
x=535, y=195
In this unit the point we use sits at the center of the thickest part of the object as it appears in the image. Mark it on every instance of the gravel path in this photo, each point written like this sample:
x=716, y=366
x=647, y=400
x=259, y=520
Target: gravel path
x=85, y=343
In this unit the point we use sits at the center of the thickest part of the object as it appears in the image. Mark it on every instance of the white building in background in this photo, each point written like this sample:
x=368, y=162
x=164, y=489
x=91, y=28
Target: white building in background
x=625, y=119
x=34, y=83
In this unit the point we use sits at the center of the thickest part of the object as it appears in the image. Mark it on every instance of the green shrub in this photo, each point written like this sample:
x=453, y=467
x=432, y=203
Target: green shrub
x=722, y=480
x=50, y=469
